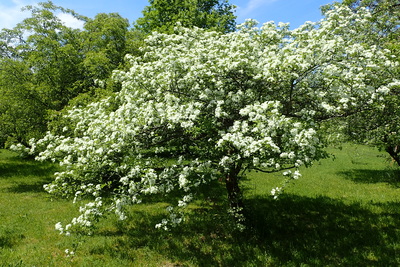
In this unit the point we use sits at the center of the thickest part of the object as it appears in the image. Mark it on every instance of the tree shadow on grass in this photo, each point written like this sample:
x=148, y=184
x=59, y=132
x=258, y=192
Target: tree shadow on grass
x=9, y=237
x=290, y=231
x=36, y=187
x=389, y=176
x=24, y=175
x=324, y=231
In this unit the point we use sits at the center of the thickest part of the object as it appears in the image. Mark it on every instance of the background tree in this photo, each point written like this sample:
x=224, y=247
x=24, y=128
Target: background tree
x=385, y=14
x=38, y=68
x=105, y=39
x=379, y=124
x=162, y=15
x=22, y=111
x=46, y=66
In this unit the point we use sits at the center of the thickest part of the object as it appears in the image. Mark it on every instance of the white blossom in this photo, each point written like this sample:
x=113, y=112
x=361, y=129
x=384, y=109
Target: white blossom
x=250, y=98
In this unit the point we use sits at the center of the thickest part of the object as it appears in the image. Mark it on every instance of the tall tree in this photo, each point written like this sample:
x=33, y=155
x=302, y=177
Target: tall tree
x=104, y=42
x=46, y=66
x=38, y=66
x=163, y=15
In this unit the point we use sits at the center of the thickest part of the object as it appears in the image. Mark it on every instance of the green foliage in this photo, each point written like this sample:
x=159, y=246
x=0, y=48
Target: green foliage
x=386, y=18
x=51, y=50
x=162, y=15
x=46, y=66
x=38, y=69
x=105, y=44
x=22, y=111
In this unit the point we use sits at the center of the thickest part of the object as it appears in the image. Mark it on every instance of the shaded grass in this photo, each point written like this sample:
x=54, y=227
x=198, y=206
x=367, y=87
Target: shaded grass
x=390, y=176
x=323, y=231
x=19, y=175
x=341, y=212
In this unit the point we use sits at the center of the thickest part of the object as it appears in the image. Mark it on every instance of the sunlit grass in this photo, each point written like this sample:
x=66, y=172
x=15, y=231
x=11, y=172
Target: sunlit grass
x=352, y=173
x=343, y=211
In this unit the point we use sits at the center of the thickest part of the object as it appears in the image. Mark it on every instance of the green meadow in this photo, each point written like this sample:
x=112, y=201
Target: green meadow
x=343, y=211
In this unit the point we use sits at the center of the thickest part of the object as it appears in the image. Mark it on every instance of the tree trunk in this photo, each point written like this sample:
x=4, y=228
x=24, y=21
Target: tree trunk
x=394, y=152
x=232, y=186
x=234, y=192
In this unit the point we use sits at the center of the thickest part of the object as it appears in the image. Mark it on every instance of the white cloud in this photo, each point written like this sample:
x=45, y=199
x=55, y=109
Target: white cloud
x=70, y=21
x=11, y=14
x=252, y=5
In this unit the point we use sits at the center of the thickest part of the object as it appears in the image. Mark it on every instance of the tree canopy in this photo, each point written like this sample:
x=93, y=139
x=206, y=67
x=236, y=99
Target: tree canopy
x=199, y=107
x=38, y=66
x=162, y=15
x=44, y=65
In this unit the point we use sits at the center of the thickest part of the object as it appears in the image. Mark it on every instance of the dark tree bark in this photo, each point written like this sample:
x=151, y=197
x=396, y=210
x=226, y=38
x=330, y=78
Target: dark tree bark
x=232, y=186
x=394, y=152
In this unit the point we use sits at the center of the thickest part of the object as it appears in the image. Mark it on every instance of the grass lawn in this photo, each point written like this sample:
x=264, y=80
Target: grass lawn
x=343, y=211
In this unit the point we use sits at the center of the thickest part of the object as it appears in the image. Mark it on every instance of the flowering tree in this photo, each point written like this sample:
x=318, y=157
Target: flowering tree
x=200, y=106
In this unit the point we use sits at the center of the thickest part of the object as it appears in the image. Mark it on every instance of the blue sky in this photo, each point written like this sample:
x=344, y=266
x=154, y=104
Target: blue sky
x=294, y=11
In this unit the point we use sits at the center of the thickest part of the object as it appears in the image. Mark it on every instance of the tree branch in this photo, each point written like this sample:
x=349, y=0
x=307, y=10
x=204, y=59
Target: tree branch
x=273, y=171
